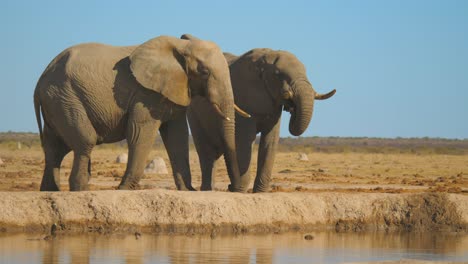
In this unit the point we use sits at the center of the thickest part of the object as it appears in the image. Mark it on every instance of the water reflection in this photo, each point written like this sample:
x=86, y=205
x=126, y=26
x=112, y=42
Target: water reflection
x=326, y=247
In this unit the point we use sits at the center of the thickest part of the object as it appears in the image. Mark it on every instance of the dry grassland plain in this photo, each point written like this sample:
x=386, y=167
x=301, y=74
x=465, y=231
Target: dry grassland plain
x=342, y=171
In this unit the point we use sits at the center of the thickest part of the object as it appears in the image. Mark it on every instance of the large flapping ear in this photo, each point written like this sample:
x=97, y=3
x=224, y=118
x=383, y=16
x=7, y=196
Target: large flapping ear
x=159, y=65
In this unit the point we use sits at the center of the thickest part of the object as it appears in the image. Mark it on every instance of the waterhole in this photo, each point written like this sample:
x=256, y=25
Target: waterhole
x=312, y=247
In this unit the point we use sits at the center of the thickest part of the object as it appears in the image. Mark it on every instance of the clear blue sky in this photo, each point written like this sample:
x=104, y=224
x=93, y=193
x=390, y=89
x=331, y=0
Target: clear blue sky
x=400, y=67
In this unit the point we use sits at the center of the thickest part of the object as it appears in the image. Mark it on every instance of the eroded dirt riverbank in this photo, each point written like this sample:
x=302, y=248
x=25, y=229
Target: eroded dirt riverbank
x=166, y=211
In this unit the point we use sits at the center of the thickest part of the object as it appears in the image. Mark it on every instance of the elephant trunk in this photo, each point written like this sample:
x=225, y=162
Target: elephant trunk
x=223, y=103
x=230, y=157
x=303, y=99
x=230, y=153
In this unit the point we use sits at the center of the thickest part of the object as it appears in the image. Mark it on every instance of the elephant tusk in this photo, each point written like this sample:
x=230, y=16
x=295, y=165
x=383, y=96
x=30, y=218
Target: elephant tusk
x=325, y=96
x=241, y=112
x=287, y=95
x=220, y=113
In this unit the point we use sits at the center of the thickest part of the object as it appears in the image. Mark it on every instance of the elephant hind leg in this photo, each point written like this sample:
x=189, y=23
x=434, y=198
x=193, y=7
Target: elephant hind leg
x=82, y=138
x=55, y=150
x=81, y=169
x=89, y=170
x=79, y=174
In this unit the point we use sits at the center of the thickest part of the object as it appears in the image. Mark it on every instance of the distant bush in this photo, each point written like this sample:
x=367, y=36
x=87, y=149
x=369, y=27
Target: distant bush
x=10, y=140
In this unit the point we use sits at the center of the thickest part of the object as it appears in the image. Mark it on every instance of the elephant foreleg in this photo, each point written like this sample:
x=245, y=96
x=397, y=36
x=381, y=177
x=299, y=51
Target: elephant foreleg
x=266, y=158
x=207, y=150
x=207, y=165
x=207, y=156
x=174, y=134
x=140, y=138
x=246, y=132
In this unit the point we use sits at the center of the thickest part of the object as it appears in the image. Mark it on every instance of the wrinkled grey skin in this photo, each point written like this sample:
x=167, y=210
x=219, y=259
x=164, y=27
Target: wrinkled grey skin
x=94, y=93
x=264, y=83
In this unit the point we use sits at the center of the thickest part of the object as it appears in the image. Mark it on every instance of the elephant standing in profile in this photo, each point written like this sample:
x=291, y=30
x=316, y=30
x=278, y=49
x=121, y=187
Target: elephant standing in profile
x=265, y=82
x=94, y=93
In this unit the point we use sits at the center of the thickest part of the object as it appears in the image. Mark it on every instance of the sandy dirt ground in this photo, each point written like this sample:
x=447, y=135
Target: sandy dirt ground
x=346, y=172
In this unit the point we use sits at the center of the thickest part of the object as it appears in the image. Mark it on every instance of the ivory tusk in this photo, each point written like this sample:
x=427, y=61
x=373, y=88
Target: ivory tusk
x=325, y=96
x=220, y=113
x=287, y=95
x=241, y=112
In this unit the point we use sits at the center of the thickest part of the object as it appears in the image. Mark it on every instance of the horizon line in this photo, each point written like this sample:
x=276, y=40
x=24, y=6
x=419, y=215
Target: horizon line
x=294, y=137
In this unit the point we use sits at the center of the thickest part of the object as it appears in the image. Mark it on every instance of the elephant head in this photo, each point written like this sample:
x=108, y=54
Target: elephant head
x=181, y=68
x=285, y=79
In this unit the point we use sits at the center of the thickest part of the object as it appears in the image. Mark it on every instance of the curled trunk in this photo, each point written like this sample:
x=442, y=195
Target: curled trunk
x=303, y=98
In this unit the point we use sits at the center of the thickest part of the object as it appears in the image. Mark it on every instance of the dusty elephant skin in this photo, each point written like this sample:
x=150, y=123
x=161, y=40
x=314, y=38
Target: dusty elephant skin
x=94, y=93
x=164, y=211
x=265, y=82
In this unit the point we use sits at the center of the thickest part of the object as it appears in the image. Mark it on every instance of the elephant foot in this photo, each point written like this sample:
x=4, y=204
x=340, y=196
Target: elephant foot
x=78, y=185
x=261, y=189
x=49, y=188
x=79, y=189
x=236, y=189
x=185, y=188
x=134, y=186
x=206, y=188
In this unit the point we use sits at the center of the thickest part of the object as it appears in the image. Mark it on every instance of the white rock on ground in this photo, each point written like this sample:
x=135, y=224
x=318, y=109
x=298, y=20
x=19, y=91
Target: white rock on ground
x=122, y=158
x=303, y=157
x=157, y=165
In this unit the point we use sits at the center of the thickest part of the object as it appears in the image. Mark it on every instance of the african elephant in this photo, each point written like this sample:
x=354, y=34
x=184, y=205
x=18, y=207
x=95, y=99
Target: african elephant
x=95, y=93
x=264, y=83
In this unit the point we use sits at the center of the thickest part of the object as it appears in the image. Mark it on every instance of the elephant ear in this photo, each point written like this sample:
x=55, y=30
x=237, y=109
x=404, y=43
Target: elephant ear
x=230, y=58
x=264, y=58
x=159, y=65
x=189, y=37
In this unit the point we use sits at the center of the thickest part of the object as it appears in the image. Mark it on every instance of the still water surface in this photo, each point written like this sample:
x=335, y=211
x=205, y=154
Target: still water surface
x=325, y=247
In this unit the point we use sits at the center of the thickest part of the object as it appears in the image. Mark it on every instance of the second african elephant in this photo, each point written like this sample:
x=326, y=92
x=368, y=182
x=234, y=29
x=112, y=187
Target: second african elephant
x=265, y=82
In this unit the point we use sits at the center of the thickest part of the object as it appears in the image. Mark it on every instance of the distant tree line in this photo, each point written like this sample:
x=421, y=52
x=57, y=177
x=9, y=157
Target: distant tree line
x=376, y=145
x=303, y=144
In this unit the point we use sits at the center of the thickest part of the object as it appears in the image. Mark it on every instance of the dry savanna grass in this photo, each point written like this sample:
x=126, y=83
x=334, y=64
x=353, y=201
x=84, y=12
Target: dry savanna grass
x=344, y=172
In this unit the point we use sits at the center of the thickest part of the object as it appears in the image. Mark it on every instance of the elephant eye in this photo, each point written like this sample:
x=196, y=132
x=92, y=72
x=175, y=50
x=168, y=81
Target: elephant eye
x=205, y=73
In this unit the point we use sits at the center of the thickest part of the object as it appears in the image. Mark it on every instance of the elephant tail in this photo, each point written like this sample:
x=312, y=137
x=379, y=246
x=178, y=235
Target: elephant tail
x=37, y=109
